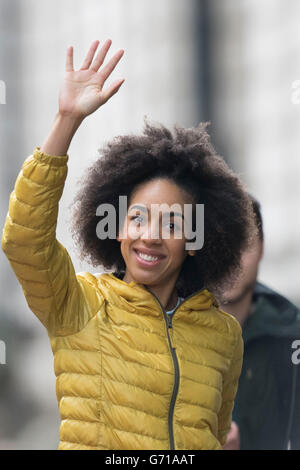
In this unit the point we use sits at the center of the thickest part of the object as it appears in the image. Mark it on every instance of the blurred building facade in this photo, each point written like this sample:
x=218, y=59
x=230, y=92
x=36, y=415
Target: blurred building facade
x=253, y=65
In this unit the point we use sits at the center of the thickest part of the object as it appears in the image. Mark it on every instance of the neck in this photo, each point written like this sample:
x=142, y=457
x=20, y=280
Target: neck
x=166, y=293
x=240, y=308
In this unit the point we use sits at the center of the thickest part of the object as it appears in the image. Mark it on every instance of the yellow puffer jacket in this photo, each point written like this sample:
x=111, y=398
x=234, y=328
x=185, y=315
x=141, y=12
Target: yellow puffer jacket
x=126, y=379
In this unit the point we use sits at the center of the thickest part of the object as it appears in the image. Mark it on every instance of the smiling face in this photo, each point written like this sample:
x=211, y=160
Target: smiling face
x=152, y=233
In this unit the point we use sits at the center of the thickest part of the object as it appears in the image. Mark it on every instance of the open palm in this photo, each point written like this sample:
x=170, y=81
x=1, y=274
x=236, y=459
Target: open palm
x=82, y=91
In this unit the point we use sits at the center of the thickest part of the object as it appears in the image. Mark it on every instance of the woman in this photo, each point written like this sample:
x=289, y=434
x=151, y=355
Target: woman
x=144, y=358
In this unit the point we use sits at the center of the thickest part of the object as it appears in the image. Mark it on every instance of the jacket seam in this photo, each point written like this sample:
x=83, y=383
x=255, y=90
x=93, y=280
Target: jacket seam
x=199, y=383
x=223, y=337
x=28, y=203
x=161, y=417
x=199, y=428
x=147, y=330
x=80, y=397
x=36, y=245
x=146, y=352
x=140, y=364
x=101, y=377
x=42, y=185
x=122, y=430
x=79, y=349
x=206, y=348
x=197, y=345
x=135, y=386
x=203, y=365
x=198, y=404
x=13, y=222
x=76, y=373
x=221, y=431
x=82, y=420
x=162, y=336
x=68, y=335
x=52, y=161
x=137, y=433
x=62, y=441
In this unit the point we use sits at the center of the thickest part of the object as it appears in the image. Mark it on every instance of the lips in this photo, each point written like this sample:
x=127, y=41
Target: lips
x=149, y=253
x=147, y=264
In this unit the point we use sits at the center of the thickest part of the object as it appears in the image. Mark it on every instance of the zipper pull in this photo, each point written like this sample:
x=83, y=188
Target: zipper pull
x=170, y=330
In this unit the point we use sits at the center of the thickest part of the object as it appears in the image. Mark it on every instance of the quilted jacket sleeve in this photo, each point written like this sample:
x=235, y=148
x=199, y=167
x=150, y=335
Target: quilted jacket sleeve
x=230, y=385
x=62, y=300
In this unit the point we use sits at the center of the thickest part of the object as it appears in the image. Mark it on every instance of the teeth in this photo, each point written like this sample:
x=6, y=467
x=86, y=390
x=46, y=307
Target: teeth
x=146, y=257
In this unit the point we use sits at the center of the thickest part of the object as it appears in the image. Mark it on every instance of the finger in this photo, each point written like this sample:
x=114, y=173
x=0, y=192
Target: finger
x=112, y=89
x=69, y=59
x=109, y=67
x=89, y=57
x=101, y=55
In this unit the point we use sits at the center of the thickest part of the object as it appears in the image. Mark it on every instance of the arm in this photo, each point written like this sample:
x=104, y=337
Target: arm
x=230, y=385
x=62, y=301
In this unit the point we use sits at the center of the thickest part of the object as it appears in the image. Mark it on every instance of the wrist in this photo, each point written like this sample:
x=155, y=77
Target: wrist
x=68, y=120
x=62, y=132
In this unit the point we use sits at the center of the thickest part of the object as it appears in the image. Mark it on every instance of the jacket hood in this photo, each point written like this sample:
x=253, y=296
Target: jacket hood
x=133, y=296
x=273, y=315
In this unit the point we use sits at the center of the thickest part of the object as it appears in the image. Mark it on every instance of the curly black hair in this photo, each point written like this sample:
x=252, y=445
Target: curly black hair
x=187, y=158
x=258, y=217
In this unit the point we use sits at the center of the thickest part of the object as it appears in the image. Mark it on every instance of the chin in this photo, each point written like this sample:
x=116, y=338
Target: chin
x=146, y=278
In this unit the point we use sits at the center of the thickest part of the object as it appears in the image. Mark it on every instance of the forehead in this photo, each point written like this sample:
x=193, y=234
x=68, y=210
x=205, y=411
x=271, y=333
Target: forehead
x=160, y=191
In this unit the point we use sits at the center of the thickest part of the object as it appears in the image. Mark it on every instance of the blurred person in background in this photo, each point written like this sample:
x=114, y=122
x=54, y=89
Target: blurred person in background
x=266, y=413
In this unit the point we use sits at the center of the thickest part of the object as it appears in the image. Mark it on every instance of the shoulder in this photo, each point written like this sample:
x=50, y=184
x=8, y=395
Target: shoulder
x=272, y=296
x=90, y=286
x=232, y=324
x=232, y=329
x=88, y=277
x=276, y=314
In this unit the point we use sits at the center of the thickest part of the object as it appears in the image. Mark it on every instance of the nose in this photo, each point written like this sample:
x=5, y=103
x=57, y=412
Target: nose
x=151, y=233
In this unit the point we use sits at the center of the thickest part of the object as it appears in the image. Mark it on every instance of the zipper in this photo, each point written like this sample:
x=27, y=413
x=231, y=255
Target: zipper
x=168, y=319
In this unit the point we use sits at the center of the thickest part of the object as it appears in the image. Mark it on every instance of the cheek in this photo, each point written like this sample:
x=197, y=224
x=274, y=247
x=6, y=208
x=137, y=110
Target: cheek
x=125, y=241
x=131, y=231
x=177, y=249
x=125, y=233
x=250, y=265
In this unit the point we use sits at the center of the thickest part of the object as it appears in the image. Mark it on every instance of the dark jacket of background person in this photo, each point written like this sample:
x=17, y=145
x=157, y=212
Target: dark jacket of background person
x=267, y=405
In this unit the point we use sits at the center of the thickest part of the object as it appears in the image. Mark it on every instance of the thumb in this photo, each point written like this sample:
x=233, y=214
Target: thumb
x=111, y=90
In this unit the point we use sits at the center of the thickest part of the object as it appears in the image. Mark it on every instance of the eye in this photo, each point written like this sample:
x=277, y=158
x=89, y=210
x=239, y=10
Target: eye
x=173, y=227
x=134, y=218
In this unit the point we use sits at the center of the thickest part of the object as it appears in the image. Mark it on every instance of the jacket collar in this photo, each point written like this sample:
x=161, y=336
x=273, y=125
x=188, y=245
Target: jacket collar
x=134, y=296
x=272, y=315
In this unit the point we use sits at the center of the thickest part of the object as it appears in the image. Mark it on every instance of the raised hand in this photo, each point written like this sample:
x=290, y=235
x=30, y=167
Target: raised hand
x=82, y=91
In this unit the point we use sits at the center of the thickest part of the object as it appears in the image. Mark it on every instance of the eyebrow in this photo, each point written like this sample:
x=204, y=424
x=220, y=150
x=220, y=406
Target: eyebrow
x=145, y=209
